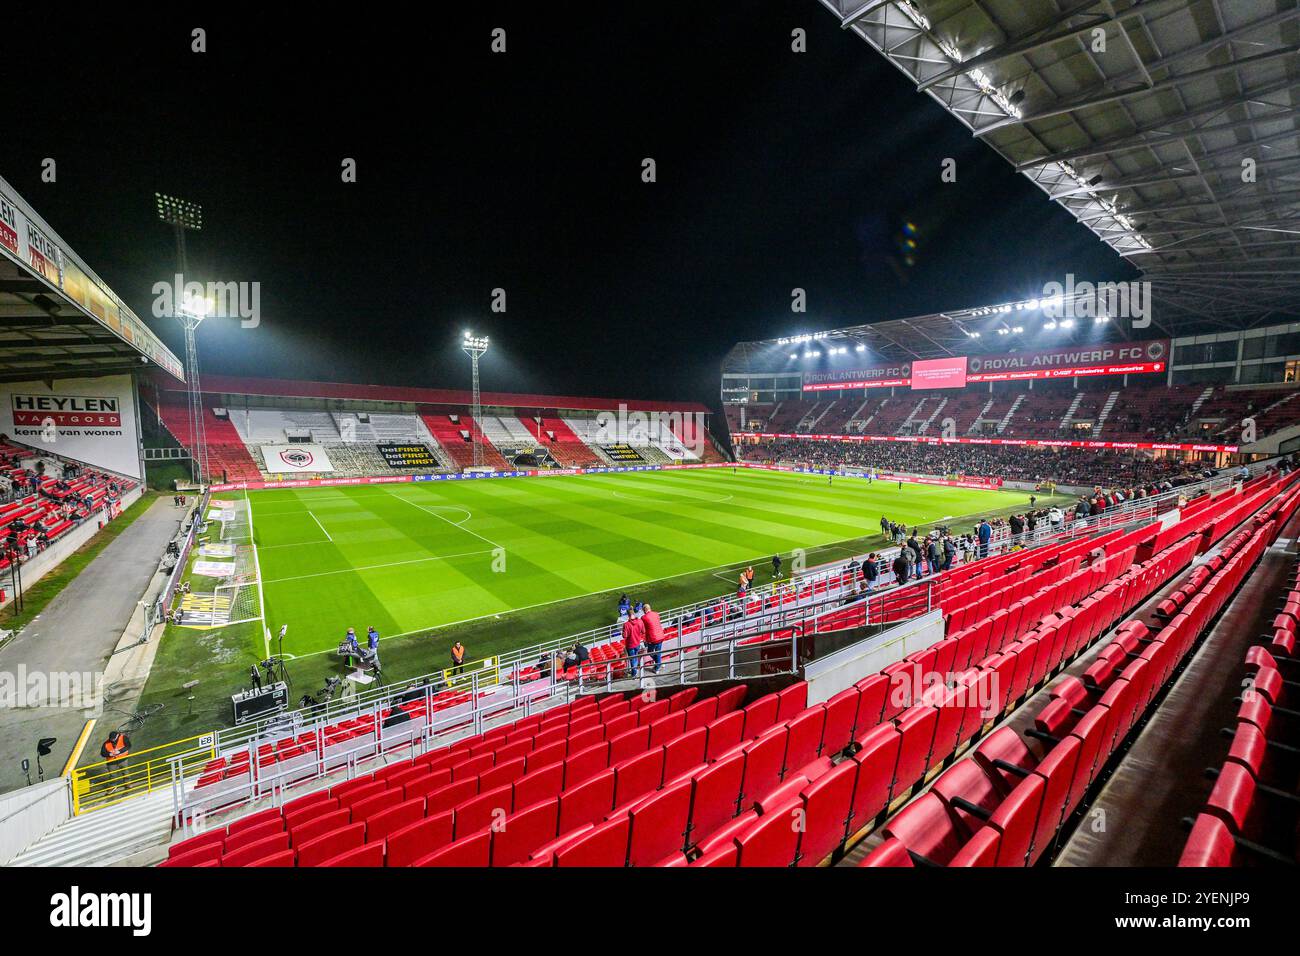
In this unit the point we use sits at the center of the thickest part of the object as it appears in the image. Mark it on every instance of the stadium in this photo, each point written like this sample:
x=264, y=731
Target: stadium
x=416, y=583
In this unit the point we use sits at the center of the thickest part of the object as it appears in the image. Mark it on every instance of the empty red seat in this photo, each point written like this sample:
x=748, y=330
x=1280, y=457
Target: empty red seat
x=331, y=844
x=715, y=796
x=604, y=845
x=524, y=832
x=472, y=851
x=659, y=824
x=419, y=839
x=588, y=802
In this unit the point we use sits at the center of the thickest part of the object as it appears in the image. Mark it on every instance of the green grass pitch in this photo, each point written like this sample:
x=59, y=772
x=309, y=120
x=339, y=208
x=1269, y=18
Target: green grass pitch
x=411, y=557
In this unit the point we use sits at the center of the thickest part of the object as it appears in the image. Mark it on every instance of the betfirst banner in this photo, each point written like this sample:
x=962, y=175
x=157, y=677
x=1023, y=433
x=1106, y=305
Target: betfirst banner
x=90, y=420
x=1119, y=358
x=296, y=459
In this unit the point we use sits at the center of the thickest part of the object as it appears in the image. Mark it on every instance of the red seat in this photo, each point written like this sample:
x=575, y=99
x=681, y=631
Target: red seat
x=1015, y=819
x=684, y=752
x=327, y=845
x=929, y=829
x=629, y=744
x=764, y=760
x=638, y=776
x=980, y=850
x=667, y=727
x=890, y=853
x=311, y=829
x=827, y=803
x=417, y=840
x=472, y=851
x=774, y=839
x=659, y=824
x=585, y=764
x=605, y=845
x=725, y=733
x=841, y=717
x=715, y=796
x=875, y=782
x=701, y=713
x=588, y=802
x=366, y=855
x=383, y=822
x=242, y=838
x=916, y=725
x=803, y=743
x=454, y=794
x=524, y=832
x=760, y=715
x=483, y=810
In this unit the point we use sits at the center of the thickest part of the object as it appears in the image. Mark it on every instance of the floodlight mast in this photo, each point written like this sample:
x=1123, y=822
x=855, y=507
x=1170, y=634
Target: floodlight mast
x=184, y=216
x=474, y=346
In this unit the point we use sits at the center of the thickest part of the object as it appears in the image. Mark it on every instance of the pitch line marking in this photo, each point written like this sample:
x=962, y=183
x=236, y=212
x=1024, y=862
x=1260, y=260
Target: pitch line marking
x=681, y=499
x=321, y=526
x=376, y=567
x=426, y=510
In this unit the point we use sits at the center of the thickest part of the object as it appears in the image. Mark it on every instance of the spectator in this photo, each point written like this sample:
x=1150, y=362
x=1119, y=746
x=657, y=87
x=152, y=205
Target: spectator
x=654, y=635
x=633, y=636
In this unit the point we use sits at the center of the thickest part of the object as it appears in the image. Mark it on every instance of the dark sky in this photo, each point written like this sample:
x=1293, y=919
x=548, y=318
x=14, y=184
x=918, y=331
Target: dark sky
x=520, y=171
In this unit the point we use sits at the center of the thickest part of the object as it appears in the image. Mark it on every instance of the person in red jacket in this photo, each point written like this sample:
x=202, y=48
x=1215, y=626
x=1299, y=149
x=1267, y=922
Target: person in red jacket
x=633, y=635
x=654, y=635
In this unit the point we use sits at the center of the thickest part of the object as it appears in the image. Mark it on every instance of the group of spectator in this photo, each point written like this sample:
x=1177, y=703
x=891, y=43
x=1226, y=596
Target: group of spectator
x=1077, y=466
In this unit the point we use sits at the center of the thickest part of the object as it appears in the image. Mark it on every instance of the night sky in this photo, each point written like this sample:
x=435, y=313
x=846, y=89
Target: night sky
x=519, y=171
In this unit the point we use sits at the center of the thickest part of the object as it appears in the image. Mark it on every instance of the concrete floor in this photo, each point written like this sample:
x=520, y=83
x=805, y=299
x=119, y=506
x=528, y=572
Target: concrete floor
x=77, y=634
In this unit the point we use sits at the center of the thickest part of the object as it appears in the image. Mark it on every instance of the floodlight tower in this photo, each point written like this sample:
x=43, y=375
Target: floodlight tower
x=474, y=346
x=184, y=216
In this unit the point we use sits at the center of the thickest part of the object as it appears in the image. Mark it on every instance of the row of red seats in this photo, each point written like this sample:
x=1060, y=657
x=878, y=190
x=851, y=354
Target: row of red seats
x=1252, y=815
x=1006, y=804
x=528, y=757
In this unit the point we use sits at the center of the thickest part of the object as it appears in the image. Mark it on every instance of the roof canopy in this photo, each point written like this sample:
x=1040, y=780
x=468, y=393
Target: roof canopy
x=1167, y=127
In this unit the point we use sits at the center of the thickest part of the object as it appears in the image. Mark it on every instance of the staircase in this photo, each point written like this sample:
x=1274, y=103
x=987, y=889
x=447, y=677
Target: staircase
x=806, y=423
x=979, y=417
x=1200, y=400
x=103, y=837
x=1069, y=412
x=911, y=417
x=1006, y=419
x=925, y=426
x=1111, y=399
x=854, y=417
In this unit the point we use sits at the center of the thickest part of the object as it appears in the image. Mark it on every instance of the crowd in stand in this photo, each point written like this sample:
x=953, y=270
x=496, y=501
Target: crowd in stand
x=37, y=507
x=1071, y=466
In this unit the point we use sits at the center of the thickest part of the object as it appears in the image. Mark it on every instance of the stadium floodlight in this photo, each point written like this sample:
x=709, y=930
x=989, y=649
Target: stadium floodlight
x=861, y=348
x=1067, y=323
x=474, y=346
x=185, y=216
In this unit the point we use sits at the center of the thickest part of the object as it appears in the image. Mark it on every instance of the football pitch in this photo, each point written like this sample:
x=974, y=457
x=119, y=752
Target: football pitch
x=411, y=557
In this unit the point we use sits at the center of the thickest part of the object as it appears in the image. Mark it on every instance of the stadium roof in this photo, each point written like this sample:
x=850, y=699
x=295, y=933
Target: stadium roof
x=1138, y=117
x=283, y=388
x=57, y=318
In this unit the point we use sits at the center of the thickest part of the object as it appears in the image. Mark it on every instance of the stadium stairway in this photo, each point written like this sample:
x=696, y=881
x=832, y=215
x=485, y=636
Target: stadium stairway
x=566, y=447
x=106, y=836
x=227, y=453
x=449, y=435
